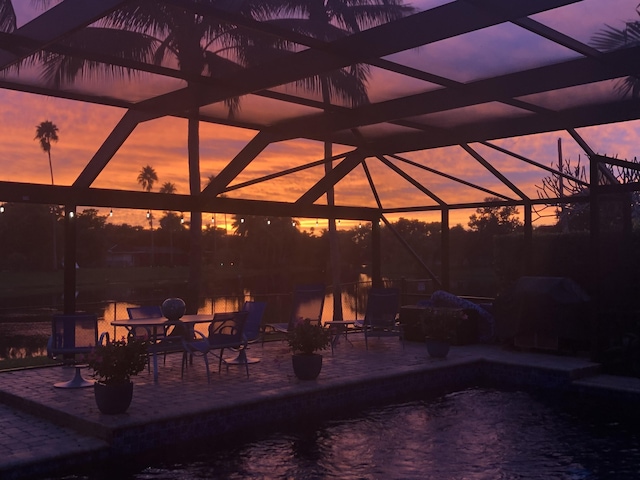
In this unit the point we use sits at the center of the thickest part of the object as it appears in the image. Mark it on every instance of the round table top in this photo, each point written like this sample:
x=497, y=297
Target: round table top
x=198, y=318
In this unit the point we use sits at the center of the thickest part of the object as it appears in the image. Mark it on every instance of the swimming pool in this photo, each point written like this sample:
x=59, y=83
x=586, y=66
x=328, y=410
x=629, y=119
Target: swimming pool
x=473, y=434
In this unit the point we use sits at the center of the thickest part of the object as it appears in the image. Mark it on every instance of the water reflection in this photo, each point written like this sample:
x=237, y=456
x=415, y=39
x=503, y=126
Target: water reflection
x=24, y=331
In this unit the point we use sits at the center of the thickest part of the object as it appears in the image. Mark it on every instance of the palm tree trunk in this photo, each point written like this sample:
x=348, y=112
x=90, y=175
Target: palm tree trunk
x=50, y=165
x=195, y=229
x=334, y=244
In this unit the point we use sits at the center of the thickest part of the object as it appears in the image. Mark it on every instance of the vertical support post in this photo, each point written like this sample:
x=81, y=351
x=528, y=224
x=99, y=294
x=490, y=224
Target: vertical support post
x=597, y=328
x=528, y=238
x=376, y=254
x=445, y=244
x=69, y=259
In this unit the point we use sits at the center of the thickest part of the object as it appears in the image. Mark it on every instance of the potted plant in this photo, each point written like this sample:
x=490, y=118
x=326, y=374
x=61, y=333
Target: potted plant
x=440, y=327
x=113, y=365
x=305, y=339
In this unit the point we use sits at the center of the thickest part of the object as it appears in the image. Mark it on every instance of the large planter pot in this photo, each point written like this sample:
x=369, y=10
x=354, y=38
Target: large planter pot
x=112, y=399
x=437, y=348
x=307, y=366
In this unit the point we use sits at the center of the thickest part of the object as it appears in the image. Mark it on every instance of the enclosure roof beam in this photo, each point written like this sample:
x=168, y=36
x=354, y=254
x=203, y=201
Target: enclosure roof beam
x=56, y=23
x=95, y=197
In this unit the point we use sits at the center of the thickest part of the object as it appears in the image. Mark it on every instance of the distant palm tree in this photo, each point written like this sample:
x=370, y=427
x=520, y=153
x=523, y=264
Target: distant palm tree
x=47, y=132
x=146, y=178
x=168, y=187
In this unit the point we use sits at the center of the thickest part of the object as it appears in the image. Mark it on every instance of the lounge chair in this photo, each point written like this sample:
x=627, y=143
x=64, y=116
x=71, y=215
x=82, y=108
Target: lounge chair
x=308, y=302
x=381, y=315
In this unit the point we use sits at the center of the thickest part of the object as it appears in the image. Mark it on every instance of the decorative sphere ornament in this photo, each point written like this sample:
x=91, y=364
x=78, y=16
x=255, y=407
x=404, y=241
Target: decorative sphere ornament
x=173, y=308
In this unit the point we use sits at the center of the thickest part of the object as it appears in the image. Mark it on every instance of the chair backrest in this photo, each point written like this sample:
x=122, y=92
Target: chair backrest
x=383, y=305
x=73, y=334
x=145, y=311
x=254, y=319
x=229, y=330
x=308, y=302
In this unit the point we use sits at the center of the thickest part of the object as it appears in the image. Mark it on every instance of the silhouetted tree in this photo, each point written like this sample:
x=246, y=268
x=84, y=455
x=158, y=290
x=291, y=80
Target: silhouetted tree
x=47, y=132
x=92, y=243
x=494, y=220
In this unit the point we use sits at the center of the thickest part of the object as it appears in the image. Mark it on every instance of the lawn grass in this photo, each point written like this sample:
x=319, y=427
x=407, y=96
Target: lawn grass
x=14, y=284
x=28, y=362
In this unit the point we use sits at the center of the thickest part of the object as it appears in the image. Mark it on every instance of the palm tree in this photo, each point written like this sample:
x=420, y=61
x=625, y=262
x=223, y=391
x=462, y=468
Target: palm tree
x=329, y=20
x=146, y=178
x=611, y=38
x=47, y=132
x=7, y=16
x=168, y=187
x=204, y=45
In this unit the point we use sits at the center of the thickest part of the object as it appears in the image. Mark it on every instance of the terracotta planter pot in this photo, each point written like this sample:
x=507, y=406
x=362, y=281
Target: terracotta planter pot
x=437, y=348
x=112, y=399
x=307, y=366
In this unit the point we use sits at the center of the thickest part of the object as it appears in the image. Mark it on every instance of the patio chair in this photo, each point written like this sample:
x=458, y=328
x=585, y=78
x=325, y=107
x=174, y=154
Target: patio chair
x=167, y=340
x=308, y=302
x=252, y=331
x=380, y=319
x=226, y=331
x=73, y=336
x=144, y=311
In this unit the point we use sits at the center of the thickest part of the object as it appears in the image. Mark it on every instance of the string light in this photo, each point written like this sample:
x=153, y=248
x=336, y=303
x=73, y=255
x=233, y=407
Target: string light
x=111, y=212
x=148, y=213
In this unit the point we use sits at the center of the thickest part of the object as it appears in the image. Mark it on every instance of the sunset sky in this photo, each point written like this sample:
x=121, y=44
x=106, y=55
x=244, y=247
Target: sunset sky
x=162, y=143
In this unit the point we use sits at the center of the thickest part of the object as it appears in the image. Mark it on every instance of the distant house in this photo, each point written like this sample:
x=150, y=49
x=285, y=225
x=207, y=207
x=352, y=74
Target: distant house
x=121, y=257
x=141, y=257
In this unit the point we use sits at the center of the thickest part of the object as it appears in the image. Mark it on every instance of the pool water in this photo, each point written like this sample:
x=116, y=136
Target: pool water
x=476, y=434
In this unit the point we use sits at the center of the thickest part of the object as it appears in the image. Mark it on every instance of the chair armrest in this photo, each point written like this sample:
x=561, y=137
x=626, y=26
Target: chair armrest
x=103, y=336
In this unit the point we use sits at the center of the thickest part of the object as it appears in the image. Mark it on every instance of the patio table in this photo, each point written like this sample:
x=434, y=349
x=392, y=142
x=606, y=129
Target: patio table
x=153, y=323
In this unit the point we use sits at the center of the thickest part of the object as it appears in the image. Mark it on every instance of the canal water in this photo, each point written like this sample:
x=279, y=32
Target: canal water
x=25, y=323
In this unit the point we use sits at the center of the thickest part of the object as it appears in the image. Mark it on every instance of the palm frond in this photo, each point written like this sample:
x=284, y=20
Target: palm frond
x=61, y=69
x=7, y=16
